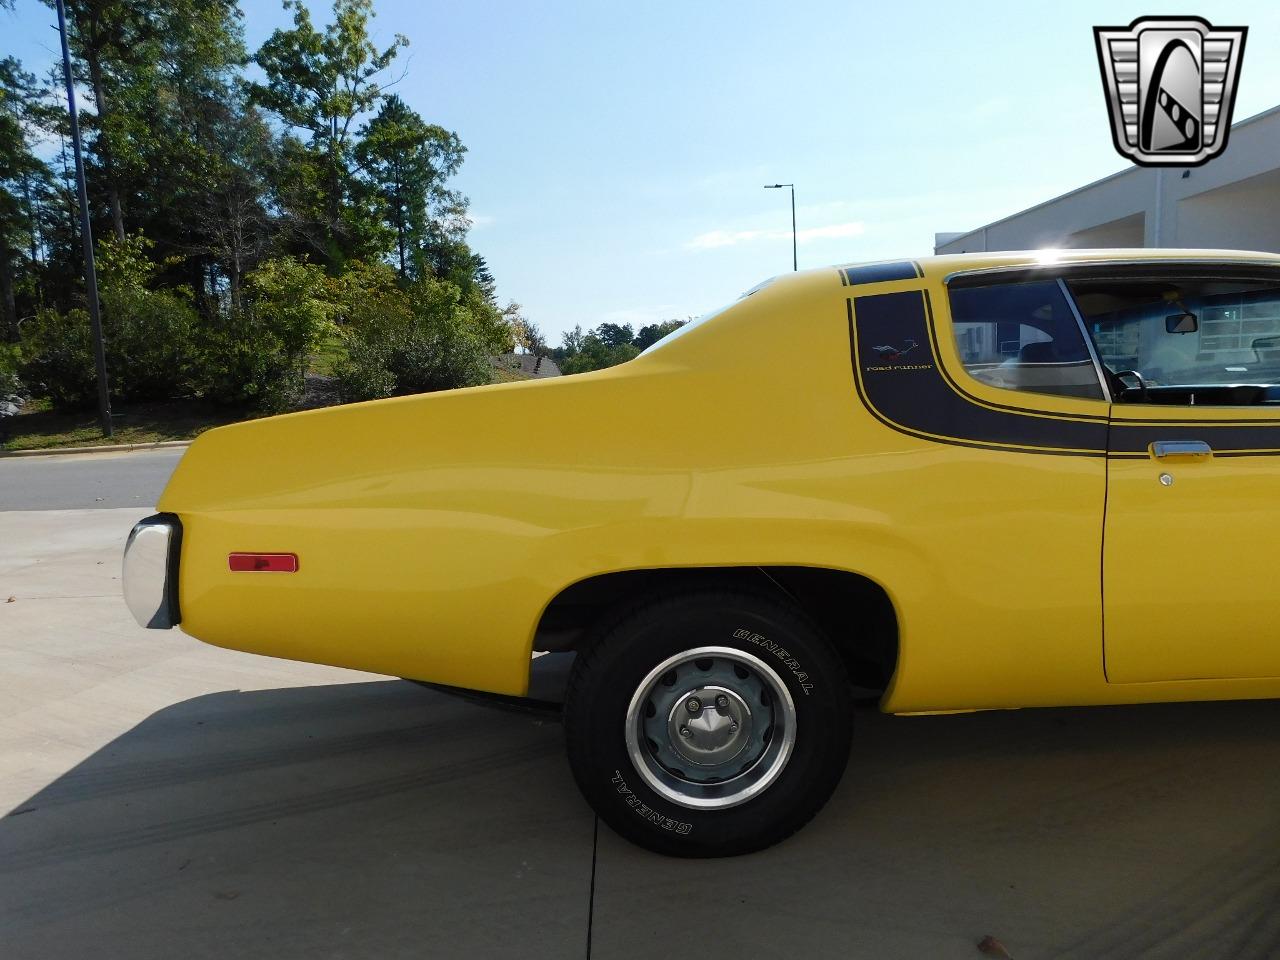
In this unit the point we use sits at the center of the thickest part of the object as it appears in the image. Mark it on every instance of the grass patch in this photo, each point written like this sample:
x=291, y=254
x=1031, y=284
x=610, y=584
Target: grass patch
x=330, y=352
x=38, y=427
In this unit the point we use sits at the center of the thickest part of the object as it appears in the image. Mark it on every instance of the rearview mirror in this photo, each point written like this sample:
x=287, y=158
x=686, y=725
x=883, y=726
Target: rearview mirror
x=1181, y=323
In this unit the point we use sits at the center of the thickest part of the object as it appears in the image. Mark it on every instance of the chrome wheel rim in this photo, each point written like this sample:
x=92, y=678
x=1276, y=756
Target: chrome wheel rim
x=711, y=727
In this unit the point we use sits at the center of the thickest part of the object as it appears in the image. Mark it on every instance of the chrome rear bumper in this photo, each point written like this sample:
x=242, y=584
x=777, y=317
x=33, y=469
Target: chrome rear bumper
x=150, y=577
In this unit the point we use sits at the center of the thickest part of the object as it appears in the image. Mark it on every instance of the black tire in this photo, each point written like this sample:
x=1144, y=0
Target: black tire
x=608, y=674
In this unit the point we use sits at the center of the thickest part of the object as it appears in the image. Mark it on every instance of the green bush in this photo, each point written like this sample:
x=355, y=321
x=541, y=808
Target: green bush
x=148, y=340
x=257, y=356
x=147, y=335
x=149, y=343
x=438, y=343
x=10, y=383
x=57, y=351
x=369, y=300
x=441, y=353
x=365, y=373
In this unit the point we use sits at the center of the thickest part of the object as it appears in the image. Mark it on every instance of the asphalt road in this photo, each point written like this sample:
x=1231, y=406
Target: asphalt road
x=85, y=481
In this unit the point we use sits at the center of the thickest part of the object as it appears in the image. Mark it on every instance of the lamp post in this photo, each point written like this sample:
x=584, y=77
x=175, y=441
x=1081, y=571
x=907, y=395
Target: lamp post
x=795, y=264
x=86, y=233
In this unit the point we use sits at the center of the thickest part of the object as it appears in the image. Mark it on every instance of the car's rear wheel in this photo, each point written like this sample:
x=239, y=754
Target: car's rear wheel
x=708, y=724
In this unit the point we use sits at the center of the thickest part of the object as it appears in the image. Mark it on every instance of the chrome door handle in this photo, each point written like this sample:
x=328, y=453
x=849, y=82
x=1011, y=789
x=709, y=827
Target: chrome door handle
x=1181, y=450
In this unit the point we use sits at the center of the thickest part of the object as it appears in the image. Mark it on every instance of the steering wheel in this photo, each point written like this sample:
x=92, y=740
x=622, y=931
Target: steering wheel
x=1125, y=388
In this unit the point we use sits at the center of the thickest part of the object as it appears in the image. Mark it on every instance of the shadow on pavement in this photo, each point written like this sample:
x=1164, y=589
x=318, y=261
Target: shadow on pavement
x=357, y=820
x=384, y=820
x=1121, y=832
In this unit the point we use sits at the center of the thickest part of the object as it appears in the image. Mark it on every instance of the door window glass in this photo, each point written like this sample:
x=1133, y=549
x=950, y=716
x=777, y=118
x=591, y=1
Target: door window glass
x=1186, y=342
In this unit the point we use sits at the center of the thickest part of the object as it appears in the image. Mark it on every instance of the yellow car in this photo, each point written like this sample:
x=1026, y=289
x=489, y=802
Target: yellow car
x=970, y=482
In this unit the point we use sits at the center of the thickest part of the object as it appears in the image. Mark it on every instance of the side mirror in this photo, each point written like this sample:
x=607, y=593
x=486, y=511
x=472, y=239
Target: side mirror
x=1265, y=344
x=1181, y=323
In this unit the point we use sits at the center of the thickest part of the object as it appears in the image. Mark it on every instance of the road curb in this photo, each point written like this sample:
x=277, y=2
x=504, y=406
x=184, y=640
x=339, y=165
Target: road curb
x=107, y=448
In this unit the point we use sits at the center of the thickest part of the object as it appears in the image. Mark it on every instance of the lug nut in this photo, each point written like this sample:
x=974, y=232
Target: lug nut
x=686, y=732
x=733, y=728
x=722, y=702
x=694, y=705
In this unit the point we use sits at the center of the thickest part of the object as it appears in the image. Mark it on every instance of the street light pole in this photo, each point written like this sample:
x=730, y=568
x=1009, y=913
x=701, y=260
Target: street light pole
x=86, y=233
x=795, y=263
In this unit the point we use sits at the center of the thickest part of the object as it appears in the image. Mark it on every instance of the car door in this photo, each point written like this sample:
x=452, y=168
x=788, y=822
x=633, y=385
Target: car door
x=1193, y=481
x=1001, y=484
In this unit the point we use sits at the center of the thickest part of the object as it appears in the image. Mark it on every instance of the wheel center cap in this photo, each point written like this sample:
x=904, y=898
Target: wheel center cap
x=709, y=725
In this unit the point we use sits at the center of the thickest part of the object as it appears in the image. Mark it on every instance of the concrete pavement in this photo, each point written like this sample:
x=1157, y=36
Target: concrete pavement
x=168, y=798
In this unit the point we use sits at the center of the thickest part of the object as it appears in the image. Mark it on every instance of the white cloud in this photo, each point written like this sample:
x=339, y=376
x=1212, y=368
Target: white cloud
x=854, y=228
x=479, y=220
x=714, y=239
x=725, y=238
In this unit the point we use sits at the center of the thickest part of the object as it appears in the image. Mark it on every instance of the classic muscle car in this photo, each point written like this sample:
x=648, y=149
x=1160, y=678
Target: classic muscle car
x=968, y=482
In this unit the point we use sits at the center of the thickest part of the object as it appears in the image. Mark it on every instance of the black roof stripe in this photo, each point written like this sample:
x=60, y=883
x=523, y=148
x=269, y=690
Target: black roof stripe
x=882, y=272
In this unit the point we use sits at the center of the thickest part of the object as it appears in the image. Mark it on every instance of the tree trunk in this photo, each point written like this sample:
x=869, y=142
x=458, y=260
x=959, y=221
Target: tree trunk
x=104, y=148
x=400, y=240
x=8, y=303
x=233, y=278
x=33, y=211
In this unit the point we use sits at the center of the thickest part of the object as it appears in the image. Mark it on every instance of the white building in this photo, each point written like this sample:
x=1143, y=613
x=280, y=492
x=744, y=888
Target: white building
x=1233, y=201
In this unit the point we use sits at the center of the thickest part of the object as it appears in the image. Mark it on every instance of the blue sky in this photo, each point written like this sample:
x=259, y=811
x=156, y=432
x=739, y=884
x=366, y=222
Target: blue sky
x=617, y=152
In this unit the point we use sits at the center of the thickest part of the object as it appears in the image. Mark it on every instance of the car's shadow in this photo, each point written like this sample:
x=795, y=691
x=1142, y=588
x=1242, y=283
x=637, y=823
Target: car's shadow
x=1117, y=832
x=383, y=820
x=374, y=819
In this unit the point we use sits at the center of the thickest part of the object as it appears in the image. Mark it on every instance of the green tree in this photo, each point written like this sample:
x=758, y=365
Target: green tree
x=596, y=354
x=614, y=334
x=527, y=335
x=651, y=333
x=110, y=44
x=319, y=84
x=200, y=191
x=408, y=161
x=163, y=75
x=230, y=223
x=570, y=343
x=22, y=176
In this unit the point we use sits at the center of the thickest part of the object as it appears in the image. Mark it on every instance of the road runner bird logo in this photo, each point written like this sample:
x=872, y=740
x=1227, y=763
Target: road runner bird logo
x=1171, y=86
x=891, y=353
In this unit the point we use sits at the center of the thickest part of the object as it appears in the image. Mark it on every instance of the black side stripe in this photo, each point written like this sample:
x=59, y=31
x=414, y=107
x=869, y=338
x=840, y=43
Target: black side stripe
x=898, y=377
x=894, y=350
x=881, y=272
x=1241, y=440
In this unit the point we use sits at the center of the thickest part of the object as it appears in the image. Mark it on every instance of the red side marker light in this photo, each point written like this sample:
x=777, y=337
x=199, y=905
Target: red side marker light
x=263, y=562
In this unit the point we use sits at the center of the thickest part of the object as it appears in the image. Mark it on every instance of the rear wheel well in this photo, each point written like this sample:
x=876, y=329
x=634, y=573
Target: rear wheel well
x=853, y=611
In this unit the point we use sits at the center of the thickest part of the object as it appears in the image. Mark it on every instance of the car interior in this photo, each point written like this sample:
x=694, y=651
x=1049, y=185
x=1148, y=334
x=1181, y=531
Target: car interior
x=1185, y=341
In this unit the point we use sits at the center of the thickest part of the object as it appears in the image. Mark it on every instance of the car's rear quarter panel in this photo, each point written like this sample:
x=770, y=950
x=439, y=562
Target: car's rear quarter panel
x=432, y=531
